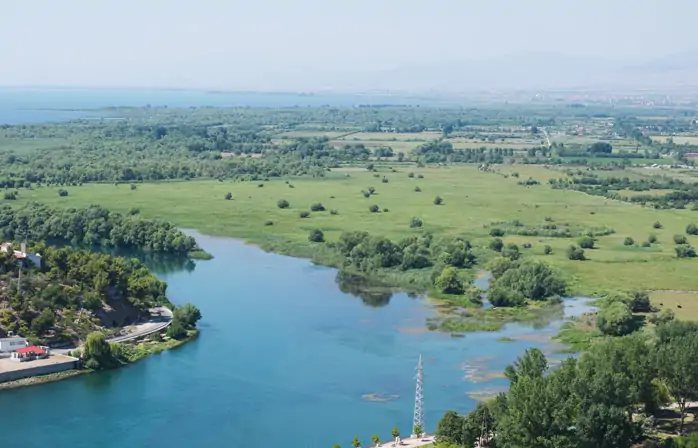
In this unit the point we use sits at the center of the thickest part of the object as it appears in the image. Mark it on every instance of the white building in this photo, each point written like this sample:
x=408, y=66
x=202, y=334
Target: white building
x=22, y=254
x=8, y=345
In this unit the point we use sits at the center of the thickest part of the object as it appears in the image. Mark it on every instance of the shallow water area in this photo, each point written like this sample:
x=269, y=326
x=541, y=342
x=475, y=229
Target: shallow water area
x=284, y=359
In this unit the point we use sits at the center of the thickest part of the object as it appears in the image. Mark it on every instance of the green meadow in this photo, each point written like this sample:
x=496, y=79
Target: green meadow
x=472, y=201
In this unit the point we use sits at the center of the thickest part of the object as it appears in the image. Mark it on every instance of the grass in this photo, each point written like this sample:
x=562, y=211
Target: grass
x=472, y=200
x=687, y=300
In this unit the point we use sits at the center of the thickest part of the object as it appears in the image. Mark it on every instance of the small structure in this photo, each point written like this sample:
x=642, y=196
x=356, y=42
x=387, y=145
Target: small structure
x=30, y=353
x=22, y=254
x=11, y=344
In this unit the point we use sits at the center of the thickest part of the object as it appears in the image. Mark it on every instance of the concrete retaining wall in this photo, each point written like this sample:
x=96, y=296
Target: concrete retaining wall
x=70, y=363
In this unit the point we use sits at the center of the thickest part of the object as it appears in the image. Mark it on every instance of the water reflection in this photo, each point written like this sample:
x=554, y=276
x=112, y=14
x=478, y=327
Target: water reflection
x=370, y=293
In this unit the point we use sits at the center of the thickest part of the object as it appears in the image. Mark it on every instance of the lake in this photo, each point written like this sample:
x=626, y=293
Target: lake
x=284, y=359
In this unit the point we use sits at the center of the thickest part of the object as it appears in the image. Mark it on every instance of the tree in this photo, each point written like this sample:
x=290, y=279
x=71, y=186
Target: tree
x=496, y=244
x=640, y=302
x=504, y=297
x=449, y=282
x=418, y=430
x=628, y=241
x=587, y=242
x=62, y=193
x=676, y=362
x=316, y=236
x=511, y=251
x=575, y=253
x=228, y=196
x=438, y=200
x=417, y=189
x=97, y=353
x=188, y=315
x=373, y=209
x=680, y=239
x=531, y=365
x=692, y=229
x=356, y=443
x=449, y=430
x=395, y=432
x=600, y=148
x=317, y=207
x=304, y=214
x=615, y=319
x=685, y=251
x=176, y=330
x=43, y=322
x=282, y=203
x=547, y=250
x=415, y=222
x=496, y=232
x=376, y=439
x=657, y=225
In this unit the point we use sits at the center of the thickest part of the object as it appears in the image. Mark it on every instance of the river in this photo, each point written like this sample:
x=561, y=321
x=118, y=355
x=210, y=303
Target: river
x=284, y=359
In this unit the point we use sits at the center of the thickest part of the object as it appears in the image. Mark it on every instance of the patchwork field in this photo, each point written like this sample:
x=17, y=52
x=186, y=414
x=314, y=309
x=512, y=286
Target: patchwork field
x=472, y=201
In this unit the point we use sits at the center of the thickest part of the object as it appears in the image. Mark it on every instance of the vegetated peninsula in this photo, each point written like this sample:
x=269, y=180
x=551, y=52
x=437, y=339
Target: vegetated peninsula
x=95, y=226
x=71, y=296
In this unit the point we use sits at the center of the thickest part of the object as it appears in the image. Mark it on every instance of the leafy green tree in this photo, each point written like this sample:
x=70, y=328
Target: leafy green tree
x=282, y=203
x=176, y=330
x=395, y=432
x=692, y=229
x=317, y=207
x=685, y=251
x=496, y=244
x=449, y=282
x=356, y=443
x=373, y=209
x=657, y=225
x=43, y=322
x=316, y=236
x=616, y=319
x=547, y=250
x=676, y=362
x=531, y=365
x=376, y=439
x=97, y=353
x=415, y=222
x=304, y=214
x=680, y=239
x=575, y=253
x=511, y=251
x=418, y=430
x=188, y=315
x=438, y=200
x=228, y=196
x=496, y=232
x=587, y=242
x=628, y=241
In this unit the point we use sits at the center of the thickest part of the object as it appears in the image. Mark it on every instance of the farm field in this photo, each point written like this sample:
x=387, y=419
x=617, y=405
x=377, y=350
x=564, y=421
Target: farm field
x=472, y=201
x=678, y=139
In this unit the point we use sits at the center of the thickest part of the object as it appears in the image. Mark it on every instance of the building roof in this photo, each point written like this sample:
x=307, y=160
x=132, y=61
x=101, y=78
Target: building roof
x=31, y=349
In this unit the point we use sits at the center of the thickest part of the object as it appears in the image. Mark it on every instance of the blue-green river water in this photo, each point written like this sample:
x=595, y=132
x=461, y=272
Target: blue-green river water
x=284, y=359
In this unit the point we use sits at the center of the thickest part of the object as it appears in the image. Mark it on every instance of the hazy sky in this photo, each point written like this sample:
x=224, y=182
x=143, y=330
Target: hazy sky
x=284, y=44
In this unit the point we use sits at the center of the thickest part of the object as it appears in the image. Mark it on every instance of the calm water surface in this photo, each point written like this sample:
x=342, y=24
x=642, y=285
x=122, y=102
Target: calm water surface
x=284, y=359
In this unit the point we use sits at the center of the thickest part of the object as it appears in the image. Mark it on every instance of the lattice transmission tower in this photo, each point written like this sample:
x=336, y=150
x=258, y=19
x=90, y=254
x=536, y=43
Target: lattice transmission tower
x=418, y=420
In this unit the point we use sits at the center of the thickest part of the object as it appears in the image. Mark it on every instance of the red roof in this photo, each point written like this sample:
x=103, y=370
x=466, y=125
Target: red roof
x=32, y=349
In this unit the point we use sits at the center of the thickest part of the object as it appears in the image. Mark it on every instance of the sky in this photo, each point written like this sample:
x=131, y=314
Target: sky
x=305, y=44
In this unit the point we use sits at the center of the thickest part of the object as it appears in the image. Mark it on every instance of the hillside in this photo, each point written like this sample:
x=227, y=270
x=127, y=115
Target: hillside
x=73, y=293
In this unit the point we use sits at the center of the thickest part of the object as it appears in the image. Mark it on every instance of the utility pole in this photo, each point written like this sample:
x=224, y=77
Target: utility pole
x=418, y=420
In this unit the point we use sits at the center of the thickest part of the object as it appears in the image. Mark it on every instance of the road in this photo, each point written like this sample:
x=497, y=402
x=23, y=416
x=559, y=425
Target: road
x=161, y=319
x=410, y=442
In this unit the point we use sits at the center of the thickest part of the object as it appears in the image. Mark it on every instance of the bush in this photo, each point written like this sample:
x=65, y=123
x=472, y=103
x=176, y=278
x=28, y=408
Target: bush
x=228, y=196
x=685, y=251
x=316, y=236
x=268, y=223
x=304, y=214
x=282, y=203
x=366, y=194
x=10, y=196
x=134, y=211
x=385, y=210
x=415, y=222
x=496, y=244
x=680, y=239
x=640, y=302
x=652, y=239
x=133, y=186
x=420, y=176
x=511, y=251
x=527, y=245
x=317, y=207
x=691, y=229
x=575, y=253
x=62, y=192
x=587, y=242
x=371, y=190
x=662, y=317
x=646, y=244
x=616, y=319
x=449, y=282
x=547, y=250
x=496, y=232
x=438, y=200
x=628, y=241
x=374, y=209
x=384, y=180
x=417, y=189
x=410, y=175
x=657, y=225
x=334, y=212
x=504, y=297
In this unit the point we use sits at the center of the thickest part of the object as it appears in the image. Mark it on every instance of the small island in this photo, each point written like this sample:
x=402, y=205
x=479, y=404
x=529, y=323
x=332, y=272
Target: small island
x=66, y=311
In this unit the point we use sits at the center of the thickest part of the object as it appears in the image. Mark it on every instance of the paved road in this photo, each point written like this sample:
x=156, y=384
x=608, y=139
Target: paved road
x=162, y=317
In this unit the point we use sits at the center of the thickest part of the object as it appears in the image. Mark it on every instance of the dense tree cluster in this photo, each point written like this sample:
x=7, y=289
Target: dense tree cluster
x=69, y=295
x=605, y=399
x=93, y=226
x=514, y=281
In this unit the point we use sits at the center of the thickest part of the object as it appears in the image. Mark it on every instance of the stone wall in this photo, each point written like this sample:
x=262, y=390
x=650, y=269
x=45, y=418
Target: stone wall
x=68, y=364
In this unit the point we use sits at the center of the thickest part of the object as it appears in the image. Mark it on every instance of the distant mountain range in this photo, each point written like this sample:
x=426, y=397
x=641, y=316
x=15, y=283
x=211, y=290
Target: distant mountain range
x=526, y=72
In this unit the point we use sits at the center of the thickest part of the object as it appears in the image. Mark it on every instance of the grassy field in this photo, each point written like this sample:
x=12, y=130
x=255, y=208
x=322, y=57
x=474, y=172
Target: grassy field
x=678, y=139
x=686, y=300
x=472, y=201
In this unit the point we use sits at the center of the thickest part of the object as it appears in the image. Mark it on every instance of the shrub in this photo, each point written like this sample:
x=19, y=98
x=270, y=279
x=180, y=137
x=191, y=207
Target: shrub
x=496, y=232
x=370, y=167
x=628, y=241
x=10, y=196
x=657, y=225
x=504, y=297
x=652, y=238
x=316, y=236
x=691, y=229
x=304, y=214
x=268, y=223
x=228, y=196
x=640, y=302
x=366, y=194
x=511, y=251
x=384, y=180
x=438, y=200
x=680, y=239
x=374, y=209
x=415, y=222
x=420, y=176
x=385, y=210
x=549, y=219
x=260, y=185
x=664, y=316
x=496, y=244
x=410, y=175
x=133, y=211
x=334, y=212
x=133, y=186
x=575, y=253
x=527, y=245
x=547, y=250
x=62, y=192
x=282, y=203
x=371, y=190
x=317, y=207
x=646, y=244
x=587, y=242
x=685, y=251
x=616, y=319
x=417, y=189
x=449, y=282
